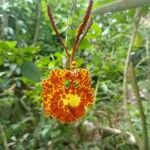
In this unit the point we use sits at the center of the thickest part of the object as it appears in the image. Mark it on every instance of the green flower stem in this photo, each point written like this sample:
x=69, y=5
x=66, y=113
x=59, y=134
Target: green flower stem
x=127, y=61
x=140, y=106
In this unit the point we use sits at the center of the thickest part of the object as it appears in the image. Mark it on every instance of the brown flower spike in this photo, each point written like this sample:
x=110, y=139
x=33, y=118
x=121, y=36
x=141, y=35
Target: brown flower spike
x=67, y=93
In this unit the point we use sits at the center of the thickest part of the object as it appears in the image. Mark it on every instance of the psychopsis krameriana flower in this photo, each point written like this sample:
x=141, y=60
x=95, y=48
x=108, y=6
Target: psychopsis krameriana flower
x=67, y=93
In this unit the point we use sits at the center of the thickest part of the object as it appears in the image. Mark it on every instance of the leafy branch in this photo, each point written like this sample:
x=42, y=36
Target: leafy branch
x=121, y=5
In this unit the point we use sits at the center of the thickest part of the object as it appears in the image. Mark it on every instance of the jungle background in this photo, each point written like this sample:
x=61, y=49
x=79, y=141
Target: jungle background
x=116, y=50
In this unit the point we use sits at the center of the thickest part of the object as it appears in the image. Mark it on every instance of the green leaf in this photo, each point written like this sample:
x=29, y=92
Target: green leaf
x=95, y=31
x=138, y=40
x=30, y=71
x=11, y=44
x=6, y=45
x=1, y=60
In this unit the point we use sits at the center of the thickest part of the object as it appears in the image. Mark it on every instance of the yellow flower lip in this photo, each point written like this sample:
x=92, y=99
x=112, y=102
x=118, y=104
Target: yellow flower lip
x=71, y=100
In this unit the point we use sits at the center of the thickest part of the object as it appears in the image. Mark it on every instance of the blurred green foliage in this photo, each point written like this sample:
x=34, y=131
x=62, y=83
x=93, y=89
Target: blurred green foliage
x=24, y=63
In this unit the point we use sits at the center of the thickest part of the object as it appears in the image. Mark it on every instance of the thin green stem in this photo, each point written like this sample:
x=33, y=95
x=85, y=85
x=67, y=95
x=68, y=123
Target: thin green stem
x=38, y=16
x=148, y=55
x=127, y=61
x=68, y=22
x=97, y=86
x=140, y=106
x=3, y=137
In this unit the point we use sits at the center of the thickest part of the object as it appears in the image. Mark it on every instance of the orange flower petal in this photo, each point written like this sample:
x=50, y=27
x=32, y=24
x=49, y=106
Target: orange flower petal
x=67, y=94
